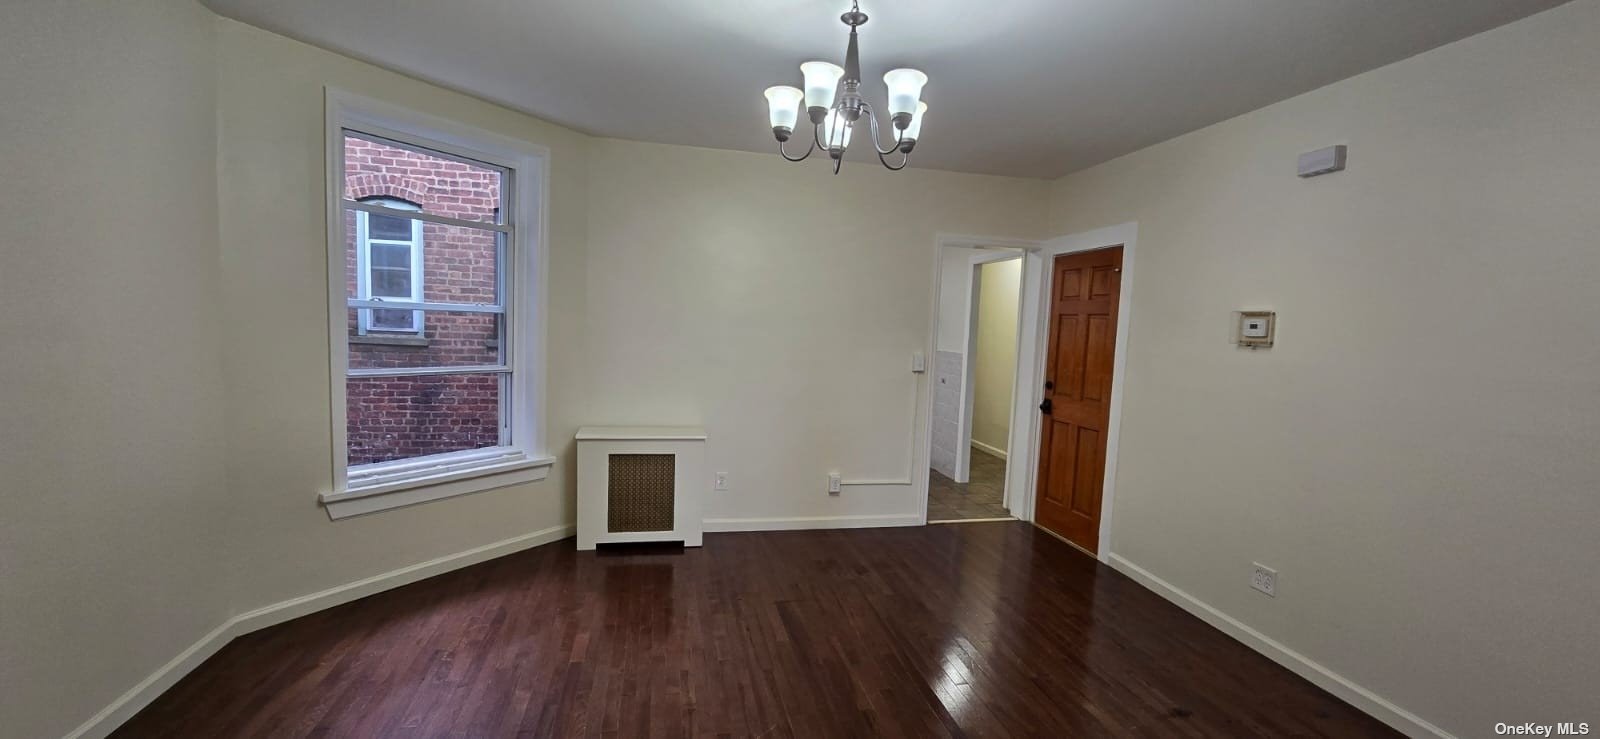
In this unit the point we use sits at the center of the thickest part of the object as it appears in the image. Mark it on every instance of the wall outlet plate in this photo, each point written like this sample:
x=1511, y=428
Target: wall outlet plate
x=834, y=483
x=1264, y=579
x=721, y=482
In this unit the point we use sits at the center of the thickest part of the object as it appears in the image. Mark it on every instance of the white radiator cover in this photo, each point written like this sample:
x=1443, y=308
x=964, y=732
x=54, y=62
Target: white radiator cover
x=648, y=462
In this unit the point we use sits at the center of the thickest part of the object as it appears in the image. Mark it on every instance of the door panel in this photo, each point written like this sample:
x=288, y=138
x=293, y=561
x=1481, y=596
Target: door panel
x=1068, y=354
x=1077, y=407
x=1099, y=344
x=1062, y=452
x=1085, y=475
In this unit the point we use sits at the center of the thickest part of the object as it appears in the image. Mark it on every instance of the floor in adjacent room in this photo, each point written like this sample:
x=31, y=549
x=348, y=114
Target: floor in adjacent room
x=981, y=497
x=984, y=629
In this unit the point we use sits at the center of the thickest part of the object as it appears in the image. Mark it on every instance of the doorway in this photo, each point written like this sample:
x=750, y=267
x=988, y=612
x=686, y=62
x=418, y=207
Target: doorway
x=975, y=371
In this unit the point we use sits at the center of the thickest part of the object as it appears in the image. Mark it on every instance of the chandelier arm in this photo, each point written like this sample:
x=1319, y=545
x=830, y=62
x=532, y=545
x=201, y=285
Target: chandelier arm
x=874, y=116
x=905, y=159
x=783, y=151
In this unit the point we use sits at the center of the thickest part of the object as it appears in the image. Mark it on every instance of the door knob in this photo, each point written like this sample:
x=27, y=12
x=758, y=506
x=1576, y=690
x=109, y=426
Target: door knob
x=1045, y=407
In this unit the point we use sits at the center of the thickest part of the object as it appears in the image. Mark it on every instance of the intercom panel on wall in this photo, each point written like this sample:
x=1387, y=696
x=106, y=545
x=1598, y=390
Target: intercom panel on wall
x=1255, y=328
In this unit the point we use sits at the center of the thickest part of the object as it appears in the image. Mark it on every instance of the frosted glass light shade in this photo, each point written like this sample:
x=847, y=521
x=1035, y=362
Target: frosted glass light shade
x=836, y=131
x=783, y=105
x=822, y=83
x=915, y=129
x=905, y=89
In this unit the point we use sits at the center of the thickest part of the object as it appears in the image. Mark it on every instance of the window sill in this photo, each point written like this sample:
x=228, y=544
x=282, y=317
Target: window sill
x=422, y=487
x=389, y=340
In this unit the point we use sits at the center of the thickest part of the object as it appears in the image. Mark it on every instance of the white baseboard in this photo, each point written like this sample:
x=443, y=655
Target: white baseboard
x=797, y=524
x=989, y=450
x=131, y=702
x=1367, y=701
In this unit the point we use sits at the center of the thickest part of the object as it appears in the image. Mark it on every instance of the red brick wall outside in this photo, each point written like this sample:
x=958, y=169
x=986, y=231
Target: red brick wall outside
x=401, y=417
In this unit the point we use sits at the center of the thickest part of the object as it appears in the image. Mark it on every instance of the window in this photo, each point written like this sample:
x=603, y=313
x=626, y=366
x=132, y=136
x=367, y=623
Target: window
x=388, y=266
x=436, y=285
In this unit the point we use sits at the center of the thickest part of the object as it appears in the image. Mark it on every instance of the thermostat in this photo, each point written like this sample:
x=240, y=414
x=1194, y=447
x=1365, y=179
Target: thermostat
x=1255, y=328
x=1321, y=161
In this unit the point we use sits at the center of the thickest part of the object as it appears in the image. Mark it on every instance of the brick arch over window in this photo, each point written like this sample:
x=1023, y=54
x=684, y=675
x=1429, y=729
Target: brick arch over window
x=371, y=185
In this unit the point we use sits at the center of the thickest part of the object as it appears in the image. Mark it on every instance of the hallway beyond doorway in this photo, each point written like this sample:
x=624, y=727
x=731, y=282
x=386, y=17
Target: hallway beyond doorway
x=980, y=498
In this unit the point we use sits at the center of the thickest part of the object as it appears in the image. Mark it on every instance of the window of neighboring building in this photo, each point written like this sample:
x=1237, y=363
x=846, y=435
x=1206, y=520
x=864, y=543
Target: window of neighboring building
x=437, y=274
x=389, y=266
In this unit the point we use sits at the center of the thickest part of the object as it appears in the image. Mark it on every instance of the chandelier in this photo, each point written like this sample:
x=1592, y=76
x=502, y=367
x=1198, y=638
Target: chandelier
x=833, y=103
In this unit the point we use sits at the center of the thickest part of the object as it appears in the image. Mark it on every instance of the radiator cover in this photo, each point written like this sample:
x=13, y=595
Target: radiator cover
x=641, y=484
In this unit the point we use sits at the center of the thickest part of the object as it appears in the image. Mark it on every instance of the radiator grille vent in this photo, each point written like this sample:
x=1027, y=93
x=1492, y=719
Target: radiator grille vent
x=640, y=494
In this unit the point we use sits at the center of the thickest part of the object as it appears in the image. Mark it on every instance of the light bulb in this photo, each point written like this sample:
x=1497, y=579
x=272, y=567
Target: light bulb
x=783, y=108
x=914, y=129
x=836, y=132
x=822, y=83
x=905, y=88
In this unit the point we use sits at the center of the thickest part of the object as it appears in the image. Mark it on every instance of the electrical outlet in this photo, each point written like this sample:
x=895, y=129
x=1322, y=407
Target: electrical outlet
x=833, y=483
x=1264, y=579
x=721, y=481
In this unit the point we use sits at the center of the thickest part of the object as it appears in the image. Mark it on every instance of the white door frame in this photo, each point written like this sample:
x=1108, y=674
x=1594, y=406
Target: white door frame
x=1033, y=343
x=925, y=440
x=969, y=359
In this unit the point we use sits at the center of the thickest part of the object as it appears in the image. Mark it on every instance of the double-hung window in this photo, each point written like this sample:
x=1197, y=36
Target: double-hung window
x=437, y=294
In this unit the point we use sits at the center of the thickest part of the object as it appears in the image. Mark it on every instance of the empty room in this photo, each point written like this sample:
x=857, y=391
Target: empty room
x=799, y=368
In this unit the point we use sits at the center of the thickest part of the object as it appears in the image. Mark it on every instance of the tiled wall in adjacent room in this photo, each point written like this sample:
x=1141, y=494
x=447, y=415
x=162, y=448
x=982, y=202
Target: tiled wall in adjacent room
x=947, y=369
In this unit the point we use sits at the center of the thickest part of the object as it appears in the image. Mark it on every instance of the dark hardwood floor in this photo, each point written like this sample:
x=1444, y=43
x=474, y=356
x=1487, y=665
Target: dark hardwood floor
x=983, y=629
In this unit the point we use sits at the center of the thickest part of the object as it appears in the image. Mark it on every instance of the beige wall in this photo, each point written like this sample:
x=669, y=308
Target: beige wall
x=111, y=469
x=995, y=356
x=188, y=164
x=1416, y=456
x=274, y=252
x=779, y=306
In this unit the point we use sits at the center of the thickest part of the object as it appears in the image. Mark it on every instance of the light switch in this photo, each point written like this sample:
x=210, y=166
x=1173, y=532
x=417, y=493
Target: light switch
x=919, y=362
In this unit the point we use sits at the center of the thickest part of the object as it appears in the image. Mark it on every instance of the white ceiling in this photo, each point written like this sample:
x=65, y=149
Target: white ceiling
x=1035, y=88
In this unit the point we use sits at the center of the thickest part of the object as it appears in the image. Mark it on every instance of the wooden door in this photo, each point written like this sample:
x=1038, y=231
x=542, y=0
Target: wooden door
x=1077, y=393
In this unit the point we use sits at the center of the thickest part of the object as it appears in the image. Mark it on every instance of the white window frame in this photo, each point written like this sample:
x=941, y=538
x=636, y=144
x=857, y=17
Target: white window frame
x=364, y=242
x=522, y=455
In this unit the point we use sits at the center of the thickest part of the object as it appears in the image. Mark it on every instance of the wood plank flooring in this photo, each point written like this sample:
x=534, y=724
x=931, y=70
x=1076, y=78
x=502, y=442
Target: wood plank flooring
x=981, y=629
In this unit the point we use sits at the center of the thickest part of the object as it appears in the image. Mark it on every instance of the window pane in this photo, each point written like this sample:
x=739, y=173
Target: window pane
x=437, y=183
x=446, y=339
x=403, y=321
x=460, y=264
x=393, y=256
x=391, y=283
x=388, y=228
x=392, y=418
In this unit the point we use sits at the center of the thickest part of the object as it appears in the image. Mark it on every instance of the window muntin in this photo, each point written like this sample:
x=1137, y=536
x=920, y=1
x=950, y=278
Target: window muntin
x=454, y=339
x=429, y=254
